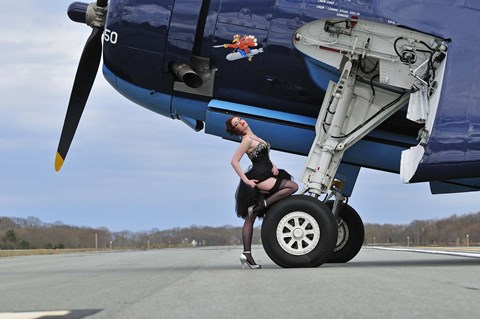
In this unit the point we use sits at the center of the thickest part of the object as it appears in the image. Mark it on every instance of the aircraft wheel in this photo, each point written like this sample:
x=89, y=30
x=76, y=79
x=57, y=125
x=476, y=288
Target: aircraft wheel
x=351, y=234
x=299, y=231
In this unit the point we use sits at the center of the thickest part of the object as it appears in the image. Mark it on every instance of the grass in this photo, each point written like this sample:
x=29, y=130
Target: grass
x=31, y=252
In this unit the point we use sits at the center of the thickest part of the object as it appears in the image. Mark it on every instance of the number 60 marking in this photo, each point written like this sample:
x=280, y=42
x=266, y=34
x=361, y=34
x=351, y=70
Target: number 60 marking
x=110, y=36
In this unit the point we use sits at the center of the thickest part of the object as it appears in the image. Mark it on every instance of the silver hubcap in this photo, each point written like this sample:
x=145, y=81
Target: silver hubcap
x=343, y=234
x=298, y=233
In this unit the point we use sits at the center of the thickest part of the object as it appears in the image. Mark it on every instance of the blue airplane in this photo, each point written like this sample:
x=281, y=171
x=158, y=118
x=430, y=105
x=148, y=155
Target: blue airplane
x=390, y=85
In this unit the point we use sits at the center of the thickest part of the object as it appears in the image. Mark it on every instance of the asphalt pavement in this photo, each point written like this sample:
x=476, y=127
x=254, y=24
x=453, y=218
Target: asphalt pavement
x=208, y=282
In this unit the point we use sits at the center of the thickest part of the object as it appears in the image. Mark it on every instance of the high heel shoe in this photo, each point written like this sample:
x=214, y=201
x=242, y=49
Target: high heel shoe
x=243, y=260
x=255, y=209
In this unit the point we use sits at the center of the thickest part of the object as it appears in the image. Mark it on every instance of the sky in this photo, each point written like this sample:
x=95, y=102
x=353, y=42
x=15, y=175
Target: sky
x=129, y=168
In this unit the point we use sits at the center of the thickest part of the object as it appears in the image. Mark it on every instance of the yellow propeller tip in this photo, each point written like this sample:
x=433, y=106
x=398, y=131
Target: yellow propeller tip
x=58, y=162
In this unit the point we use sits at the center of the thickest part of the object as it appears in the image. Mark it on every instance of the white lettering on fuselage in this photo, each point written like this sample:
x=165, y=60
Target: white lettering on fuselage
x=326, y=5
x=329, y=5
x=110, y=36
x=326, y=1
x=339, y=12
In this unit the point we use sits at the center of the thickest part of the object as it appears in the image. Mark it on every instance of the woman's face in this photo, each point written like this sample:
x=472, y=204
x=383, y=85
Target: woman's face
x=239, y=124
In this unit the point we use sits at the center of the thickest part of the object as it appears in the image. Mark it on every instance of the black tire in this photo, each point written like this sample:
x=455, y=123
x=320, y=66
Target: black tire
x=351, y=235
x=307, y=232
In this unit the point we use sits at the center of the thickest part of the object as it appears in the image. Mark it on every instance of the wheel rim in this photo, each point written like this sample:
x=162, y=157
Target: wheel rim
x=343, y=235
x=298, y=233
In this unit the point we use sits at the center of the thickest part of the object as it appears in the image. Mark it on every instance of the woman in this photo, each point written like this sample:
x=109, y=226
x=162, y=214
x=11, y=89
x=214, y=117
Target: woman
x=261, y=186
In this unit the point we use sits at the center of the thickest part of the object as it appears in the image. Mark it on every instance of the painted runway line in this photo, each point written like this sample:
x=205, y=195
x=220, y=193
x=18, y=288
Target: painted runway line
x=60, y=314
x=473, y=252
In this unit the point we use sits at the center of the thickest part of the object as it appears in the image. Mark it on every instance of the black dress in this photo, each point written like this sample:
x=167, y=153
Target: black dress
x=261, y=170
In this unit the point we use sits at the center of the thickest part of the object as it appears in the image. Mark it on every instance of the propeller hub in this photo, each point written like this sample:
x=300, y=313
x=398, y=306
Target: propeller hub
x=99, y=14
x=77, y=12
x=91, y=14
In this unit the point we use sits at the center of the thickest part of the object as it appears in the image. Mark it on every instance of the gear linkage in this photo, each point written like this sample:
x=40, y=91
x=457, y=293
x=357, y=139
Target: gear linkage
x=380, y=66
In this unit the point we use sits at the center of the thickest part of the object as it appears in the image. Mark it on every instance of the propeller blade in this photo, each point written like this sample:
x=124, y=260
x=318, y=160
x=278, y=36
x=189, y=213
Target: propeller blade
x=86, y=73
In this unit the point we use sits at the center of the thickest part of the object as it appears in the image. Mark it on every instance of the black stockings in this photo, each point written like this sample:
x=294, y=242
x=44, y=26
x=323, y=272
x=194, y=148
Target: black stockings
x=286, y=189
x=247, y=233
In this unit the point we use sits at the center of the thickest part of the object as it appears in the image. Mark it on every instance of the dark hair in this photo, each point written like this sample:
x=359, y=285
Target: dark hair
x=232, y=130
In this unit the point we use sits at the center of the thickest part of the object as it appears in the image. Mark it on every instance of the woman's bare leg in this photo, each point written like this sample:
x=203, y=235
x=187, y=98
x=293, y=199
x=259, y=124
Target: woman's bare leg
x=267, y=184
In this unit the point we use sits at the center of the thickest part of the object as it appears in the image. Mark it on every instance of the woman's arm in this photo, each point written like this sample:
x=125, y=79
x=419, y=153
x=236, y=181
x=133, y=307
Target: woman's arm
x=241, y=150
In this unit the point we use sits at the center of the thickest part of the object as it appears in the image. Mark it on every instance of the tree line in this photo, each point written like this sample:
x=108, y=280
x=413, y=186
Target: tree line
x=451, y=231
x=32, y=233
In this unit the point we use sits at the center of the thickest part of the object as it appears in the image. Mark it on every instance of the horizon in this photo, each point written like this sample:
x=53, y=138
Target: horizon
x=258, y=225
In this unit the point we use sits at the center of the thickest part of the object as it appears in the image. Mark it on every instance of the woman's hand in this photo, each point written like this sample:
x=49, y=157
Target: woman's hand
x=252, y=183
x=274, y=170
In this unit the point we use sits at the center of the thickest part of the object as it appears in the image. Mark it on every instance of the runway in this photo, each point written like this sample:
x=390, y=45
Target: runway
x=209, y=283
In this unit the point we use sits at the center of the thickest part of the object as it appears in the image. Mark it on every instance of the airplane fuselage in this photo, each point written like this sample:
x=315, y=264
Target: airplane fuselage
x=143, y=38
